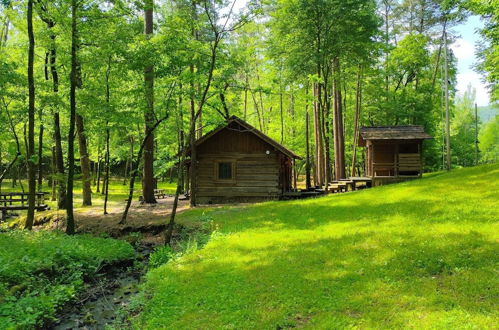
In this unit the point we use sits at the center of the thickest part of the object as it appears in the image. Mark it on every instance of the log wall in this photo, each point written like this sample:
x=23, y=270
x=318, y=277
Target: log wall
x=256, y=172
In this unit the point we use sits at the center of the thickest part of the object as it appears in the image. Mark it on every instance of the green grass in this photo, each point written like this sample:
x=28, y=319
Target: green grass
x=40, y=271
x=420, y=254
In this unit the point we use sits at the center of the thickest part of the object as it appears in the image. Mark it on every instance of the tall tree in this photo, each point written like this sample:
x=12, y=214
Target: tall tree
x=148, y=167
x=84, y=161
x=70, y=225
x=31, y=120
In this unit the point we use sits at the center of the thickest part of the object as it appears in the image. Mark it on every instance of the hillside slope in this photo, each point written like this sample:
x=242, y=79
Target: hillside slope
x=416, y=254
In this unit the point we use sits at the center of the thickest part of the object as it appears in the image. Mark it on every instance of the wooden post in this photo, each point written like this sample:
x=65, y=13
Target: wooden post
x=294, y=174
x=420, y=151
x=396, y=161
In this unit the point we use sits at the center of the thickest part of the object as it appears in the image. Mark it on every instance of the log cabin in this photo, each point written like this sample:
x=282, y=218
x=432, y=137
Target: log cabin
x=238, y=163
x=393, y=153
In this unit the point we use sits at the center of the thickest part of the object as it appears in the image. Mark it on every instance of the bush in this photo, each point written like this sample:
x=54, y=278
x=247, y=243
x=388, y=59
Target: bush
x=40, y=271
x=160, y=256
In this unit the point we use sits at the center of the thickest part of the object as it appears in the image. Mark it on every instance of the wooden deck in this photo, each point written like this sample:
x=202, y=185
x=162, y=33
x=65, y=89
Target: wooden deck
x=340, y=186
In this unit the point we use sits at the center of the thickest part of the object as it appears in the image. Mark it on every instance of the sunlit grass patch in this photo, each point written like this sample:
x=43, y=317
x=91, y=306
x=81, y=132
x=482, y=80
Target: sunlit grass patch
x=420, y=254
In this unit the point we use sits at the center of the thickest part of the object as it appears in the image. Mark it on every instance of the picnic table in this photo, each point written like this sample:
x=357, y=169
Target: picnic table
x=158, y=193
x=17, y=201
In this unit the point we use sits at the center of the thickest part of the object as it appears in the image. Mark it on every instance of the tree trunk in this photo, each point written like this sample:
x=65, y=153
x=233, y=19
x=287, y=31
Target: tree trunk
x=40, y=152
x=192, y=140
x=245, y=113
x=136, y=169
x=339, y=142
x=99, y=160
x=62, y=198
x=31, y=120
x=59, y=158
x=358, y=103
x=70, y=225
x=84, y=161
x=308, y=184
x=106, y=184
x=171, y=223
x=54, y=175
x=148, y=167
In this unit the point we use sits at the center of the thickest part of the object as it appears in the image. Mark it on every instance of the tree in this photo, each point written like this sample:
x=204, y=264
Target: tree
x=148, y=167
x=70, y=226
x=31, y=120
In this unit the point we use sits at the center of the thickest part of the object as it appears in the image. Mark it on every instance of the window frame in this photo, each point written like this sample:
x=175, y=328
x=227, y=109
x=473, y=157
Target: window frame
x=233, y=170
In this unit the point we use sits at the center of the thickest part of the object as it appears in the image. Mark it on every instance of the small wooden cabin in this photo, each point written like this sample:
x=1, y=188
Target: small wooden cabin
x=238, y=163
x=393, y=153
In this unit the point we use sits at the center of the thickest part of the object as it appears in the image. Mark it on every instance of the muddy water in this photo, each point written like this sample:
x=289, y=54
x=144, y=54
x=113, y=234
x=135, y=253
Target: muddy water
x=103, y=298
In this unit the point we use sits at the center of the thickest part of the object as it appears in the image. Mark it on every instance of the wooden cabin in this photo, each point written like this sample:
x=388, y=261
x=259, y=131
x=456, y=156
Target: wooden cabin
x=238, y=163
x=393, y=153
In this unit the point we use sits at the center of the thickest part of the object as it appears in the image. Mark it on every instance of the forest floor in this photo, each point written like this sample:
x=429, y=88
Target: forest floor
x=145, y=218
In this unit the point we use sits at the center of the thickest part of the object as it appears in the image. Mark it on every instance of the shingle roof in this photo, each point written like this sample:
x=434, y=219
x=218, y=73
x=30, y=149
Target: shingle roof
x=253, y=130
x=394, y=133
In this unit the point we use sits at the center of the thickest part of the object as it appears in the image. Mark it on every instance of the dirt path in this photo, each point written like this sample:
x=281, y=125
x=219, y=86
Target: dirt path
x=150, y=218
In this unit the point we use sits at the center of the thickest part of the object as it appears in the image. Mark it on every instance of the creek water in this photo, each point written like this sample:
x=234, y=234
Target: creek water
x=105, y=296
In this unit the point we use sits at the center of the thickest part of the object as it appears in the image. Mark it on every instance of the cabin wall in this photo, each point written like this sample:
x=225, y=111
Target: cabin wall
x=256, y=169
x=394, y=158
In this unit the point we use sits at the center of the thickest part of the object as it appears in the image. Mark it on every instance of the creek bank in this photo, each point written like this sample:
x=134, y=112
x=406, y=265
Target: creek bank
x=106, y=294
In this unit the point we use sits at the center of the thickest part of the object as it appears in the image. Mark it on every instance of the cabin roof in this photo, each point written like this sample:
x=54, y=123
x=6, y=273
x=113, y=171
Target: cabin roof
x=412, y=132
x=247, y=127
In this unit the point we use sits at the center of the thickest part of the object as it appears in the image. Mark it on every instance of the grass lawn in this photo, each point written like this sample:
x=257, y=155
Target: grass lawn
x=40, y=271
x=420, y=254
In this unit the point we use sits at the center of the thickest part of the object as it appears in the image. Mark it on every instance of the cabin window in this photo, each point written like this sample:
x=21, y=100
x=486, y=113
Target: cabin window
x=225, y=171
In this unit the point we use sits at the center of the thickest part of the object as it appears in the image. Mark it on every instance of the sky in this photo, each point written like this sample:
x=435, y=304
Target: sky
x=464, y=50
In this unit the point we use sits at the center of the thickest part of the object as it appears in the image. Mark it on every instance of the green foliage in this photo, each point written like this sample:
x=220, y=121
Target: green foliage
x=489, y=50
x=463, y=130
x=420, y=254
x=160, y=256
x=40, y=271
x=489, y=141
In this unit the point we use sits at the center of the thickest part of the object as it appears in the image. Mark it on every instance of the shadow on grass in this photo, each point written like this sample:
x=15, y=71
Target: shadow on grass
x=361, y=279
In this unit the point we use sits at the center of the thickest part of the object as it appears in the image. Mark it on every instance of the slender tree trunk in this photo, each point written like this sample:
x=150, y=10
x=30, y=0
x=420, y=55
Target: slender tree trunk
x=148, y=167
x=18, y=151
x=308, y=183
x=106, y=185
x=171, y=223
x=31, y=120
x=282, y=114
x=99, y=160
x=447, y=116
x=59, y=159
x=245, y=98
x=136, y=169
x=339, y=154
x=70, y=226
x=62, y=198
x=40, y=152
x=84, y=161
x=54, y=176
x=358, y=103
x=193, y=166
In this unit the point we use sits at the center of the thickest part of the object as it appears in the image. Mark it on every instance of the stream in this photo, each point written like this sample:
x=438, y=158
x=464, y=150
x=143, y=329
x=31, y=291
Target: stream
x=105, y=295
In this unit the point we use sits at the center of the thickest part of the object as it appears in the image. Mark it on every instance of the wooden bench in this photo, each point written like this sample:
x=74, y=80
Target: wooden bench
x=158, y=194
x=10, y=202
